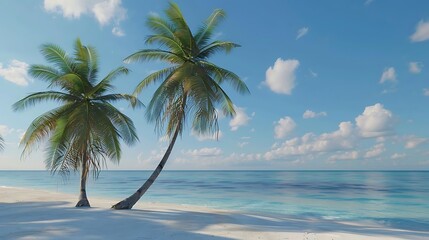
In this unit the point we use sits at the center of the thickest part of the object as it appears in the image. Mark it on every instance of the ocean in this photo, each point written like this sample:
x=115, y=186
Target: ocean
x=390, y=197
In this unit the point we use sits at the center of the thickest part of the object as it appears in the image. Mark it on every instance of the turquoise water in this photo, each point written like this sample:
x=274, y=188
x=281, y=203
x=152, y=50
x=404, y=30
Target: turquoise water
x=389, y=197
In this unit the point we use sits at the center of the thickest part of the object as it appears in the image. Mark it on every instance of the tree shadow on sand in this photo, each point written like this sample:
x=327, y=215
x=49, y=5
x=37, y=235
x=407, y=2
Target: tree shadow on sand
x=59, y=220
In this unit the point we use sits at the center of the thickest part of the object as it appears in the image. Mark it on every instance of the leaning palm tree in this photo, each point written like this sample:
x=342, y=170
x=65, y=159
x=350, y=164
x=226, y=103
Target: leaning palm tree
x=85, y=129
x=189, y=88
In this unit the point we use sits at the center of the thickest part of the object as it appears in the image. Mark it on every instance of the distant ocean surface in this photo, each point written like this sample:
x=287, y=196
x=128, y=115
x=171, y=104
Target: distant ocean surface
x=396, y=197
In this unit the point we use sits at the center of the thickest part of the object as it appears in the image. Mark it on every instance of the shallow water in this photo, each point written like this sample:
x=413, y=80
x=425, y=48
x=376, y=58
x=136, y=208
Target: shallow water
x=392, y=197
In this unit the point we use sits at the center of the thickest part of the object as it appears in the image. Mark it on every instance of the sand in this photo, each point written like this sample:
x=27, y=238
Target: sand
x=37, y=214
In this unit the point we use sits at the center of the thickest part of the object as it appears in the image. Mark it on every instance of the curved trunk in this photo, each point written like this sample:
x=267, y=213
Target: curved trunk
x=129, y=202
x=83, y=200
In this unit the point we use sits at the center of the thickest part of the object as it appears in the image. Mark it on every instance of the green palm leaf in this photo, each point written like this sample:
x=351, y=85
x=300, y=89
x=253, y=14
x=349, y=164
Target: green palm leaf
x=85, y=130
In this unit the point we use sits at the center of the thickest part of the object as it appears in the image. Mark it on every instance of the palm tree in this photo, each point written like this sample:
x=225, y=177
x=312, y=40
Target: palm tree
x=189, y=88
x=85, y=129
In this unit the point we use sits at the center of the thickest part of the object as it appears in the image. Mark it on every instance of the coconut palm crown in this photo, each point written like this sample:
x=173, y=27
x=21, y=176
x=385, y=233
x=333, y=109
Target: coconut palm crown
x=85, y=129
x=190, y=88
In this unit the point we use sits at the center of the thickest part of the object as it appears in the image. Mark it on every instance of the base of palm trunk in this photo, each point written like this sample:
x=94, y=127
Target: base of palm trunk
x=83, y=203
x=127, y=203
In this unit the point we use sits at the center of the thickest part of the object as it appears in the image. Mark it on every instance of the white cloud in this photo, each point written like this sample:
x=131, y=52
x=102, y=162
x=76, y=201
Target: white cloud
x=280, y=78
x=204, y=152
x=240, y=119
x=117, y=31
x=398, y=155
x=242, y=144
x=375, y=151
x=15, y=72
x=426, y=91
x=415, y=67
x=283, y=127
x=313, y=74
x=389, y=75
x=213, y=137
x=421, y=33
x=104, y=11
x=310, y=114
x=341, y=139
x=348, y=155
x=375, y=121
x=302, y=32
x=413, y=142
x=5, y=130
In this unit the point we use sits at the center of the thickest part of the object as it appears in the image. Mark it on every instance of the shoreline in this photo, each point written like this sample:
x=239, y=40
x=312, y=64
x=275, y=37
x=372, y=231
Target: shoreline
x=38, y=214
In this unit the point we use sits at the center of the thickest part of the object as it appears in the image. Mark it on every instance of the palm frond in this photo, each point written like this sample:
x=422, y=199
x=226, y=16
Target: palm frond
x=153, y=78
x=41, y=127
x=182, y=31
x=57, y=56
x=154, y=54
x=216, y=46
x=43, y=72
x=38, y=97
x=105, y=84
x=87, y=58
x=133, y=100
x=221, y=75
x=123, y=124
x=206, y=31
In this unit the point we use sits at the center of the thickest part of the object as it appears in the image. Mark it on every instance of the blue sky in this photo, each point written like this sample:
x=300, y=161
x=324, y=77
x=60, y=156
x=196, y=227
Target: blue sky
x=334, y=84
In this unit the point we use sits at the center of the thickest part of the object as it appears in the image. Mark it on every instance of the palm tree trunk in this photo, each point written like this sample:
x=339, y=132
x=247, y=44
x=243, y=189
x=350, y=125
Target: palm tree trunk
x=129, y=202
x=83, y=200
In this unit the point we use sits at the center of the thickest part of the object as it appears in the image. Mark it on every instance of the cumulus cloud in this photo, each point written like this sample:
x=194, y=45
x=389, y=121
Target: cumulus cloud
x=341, y=139
x=283, y=127
x=389, y=75
x=415, y=67
x=375, y=121
x=204, y=152
x=280, y=78
x=421, y=33
x=214, y=136
x=375, y=151
x=310, y=114
x=302, y=32
x=426, y=91
x=240, y=119
x=413, y=141
x=15, y=72
x=104, y=11
x=348, y=155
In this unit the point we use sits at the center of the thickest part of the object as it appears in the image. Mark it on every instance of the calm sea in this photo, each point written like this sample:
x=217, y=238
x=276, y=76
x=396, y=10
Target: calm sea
x=397, y=197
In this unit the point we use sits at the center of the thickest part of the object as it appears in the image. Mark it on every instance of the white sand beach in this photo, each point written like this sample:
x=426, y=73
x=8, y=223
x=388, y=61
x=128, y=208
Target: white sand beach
x=37, y=214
